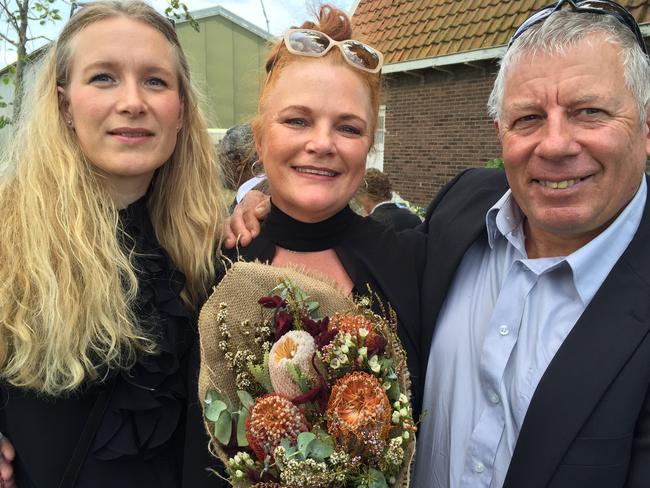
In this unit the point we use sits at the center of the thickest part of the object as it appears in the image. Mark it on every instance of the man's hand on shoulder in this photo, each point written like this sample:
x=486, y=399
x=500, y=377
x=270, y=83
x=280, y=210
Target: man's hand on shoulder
x=244, y=223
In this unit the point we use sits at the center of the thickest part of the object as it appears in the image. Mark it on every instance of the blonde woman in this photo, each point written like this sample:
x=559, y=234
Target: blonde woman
x=112, y=214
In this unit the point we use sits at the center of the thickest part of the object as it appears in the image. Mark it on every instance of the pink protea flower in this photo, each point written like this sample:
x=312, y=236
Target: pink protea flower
x=271, y=419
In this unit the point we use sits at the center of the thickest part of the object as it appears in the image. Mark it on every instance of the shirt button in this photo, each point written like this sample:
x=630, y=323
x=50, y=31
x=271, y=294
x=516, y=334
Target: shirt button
x=504, y=330
x=478, y=467
x=494, y=398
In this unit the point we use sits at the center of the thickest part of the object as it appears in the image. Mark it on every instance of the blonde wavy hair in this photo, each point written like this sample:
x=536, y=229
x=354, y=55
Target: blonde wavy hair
x=67, y=280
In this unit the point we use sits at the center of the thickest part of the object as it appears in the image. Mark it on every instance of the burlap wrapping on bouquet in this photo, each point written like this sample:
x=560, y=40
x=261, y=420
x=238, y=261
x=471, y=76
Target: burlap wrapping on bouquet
x=241, y=288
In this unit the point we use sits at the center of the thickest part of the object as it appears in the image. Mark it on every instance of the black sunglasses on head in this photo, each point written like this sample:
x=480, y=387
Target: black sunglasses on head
x=601, y=7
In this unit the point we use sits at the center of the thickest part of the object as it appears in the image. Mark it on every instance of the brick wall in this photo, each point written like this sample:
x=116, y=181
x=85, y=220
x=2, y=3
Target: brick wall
x=436, y=126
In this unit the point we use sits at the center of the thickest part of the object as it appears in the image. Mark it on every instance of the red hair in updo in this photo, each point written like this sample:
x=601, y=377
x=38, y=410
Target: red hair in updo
x=336, y=24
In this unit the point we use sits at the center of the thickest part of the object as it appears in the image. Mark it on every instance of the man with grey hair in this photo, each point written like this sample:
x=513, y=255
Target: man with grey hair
x=536, y=307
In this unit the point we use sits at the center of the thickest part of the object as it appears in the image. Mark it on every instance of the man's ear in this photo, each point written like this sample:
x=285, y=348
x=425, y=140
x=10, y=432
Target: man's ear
x=495, y=124
x=64, y=105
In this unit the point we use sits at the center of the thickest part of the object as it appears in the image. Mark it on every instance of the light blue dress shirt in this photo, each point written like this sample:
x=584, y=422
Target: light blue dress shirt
x=503, y=320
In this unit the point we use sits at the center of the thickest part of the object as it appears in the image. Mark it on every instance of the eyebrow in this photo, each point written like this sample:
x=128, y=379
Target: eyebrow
x=113, y=65
x=302, y=108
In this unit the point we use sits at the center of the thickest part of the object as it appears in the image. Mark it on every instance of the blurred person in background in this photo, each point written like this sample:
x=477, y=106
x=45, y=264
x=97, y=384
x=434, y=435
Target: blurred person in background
x=236, y=152
x=375, y=197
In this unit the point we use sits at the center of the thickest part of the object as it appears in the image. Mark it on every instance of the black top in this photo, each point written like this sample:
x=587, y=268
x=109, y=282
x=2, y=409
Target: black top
x=139, y=442
x=373, y=255
x=396, y=217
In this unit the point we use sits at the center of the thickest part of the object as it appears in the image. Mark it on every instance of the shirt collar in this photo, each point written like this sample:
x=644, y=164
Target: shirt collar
x=592, y=262
x=379, y=205
x=504, y=220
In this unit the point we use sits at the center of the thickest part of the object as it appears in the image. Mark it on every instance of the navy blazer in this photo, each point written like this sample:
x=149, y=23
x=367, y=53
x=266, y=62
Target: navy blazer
x=588, y=423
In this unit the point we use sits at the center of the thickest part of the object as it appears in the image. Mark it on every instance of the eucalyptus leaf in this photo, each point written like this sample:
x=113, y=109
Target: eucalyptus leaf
x=213, y=410
x=376, y=479
x=304, y=440
x=223, y=427
x=210, y=396
x=242, y=441
x=290, y=449
x=319, y=450
x=245, y=398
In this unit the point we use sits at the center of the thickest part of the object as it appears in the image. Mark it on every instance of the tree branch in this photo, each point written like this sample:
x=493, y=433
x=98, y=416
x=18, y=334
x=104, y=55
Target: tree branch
x=11, y=16
x=10, y=41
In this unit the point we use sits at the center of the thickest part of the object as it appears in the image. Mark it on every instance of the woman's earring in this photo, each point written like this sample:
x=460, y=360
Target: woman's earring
x=69, y=122
x=257, y=168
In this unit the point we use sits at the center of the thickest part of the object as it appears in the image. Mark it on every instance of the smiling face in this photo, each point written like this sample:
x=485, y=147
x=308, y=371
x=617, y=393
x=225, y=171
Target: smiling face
x=573, y=147
x=314, y=137
x=122, y=100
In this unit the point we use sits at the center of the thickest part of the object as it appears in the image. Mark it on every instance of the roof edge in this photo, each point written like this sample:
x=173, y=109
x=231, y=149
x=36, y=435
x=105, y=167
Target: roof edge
x=458, y=58
x=353, y=8
x=236, y=19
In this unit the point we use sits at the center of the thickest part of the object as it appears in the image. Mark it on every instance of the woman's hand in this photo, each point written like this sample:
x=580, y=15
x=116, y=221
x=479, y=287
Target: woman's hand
x=244, y=223
x=7, y=455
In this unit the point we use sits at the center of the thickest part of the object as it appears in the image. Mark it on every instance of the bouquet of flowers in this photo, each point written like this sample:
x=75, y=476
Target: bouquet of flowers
x=302, y=386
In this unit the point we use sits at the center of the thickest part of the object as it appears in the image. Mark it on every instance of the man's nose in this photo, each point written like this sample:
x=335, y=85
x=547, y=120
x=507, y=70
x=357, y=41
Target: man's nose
x=558, y=139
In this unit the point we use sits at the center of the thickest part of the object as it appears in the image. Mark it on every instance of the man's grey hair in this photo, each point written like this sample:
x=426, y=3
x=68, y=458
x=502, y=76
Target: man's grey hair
x=565, y=29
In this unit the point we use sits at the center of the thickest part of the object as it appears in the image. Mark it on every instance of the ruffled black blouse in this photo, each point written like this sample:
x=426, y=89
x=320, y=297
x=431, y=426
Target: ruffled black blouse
x=139, y=442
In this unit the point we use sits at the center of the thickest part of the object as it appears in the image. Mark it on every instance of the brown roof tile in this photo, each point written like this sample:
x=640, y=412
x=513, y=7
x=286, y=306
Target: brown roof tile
x=405, y=30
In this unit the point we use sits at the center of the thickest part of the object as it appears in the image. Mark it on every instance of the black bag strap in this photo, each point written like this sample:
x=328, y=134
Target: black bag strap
x=73, y=468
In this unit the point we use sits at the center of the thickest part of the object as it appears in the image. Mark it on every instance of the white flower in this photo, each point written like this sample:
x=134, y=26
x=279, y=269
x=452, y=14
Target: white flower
x=297, y=348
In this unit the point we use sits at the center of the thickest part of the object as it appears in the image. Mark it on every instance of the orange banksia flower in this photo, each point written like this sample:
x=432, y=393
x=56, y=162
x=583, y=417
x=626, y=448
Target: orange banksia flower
x=352, y=323
x=359, y=414
x=347, y=322
x=271, y=419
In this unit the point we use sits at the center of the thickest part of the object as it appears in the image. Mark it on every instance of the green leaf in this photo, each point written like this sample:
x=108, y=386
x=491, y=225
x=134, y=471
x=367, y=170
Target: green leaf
x=213, y=410
x=376, y=479
x=210, y=396
x=245, y=398
x=297, y=376
x=393, y=392
x=304, y=440
x=223, y=427
x=288, y=447
x=319, y=450
x=261, y=372
x=242, y=441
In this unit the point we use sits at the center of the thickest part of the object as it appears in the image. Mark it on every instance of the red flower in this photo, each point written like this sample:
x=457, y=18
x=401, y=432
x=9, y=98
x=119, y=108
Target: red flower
x=283, y=323
x=273, y=301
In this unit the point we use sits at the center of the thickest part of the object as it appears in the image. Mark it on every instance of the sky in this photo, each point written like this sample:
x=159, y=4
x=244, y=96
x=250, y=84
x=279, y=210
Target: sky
x=281, y=14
